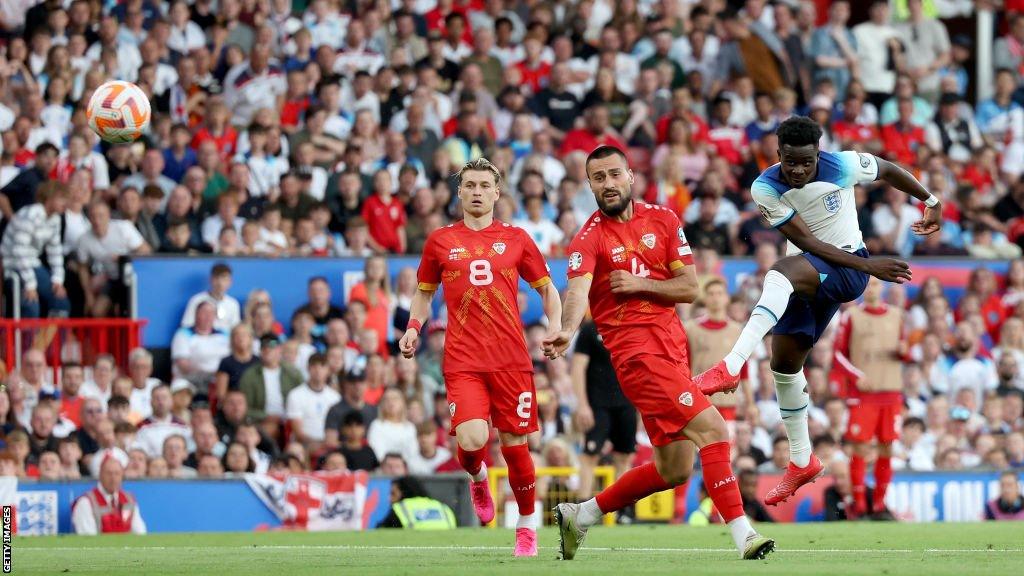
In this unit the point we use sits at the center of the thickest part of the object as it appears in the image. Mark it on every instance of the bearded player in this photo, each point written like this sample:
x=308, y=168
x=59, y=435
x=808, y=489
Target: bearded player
x=632, y=261
x=868, y=372
x=488, y=372
x=809, y=197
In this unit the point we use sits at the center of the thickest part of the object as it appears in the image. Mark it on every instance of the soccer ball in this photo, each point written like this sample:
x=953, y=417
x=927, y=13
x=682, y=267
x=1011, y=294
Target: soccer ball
x=118, y=112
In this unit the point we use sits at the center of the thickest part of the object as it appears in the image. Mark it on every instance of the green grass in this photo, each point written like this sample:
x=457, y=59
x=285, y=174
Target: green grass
x=874, y=549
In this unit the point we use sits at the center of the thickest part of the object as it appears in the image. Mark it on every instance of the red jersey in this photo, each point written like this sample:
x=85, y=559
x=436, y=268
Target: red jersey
x=384, y=220
x=584, y=140
x=651, y=245
x=480, y=271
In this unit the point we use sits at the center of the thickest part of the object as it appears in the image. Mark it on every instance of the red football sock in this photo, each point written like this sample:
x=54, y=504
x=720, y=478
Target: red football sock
x=720, y=482
x=860, y=497
x=883, y=476
x=635, y=484
x=471, y=461
x=521, y=476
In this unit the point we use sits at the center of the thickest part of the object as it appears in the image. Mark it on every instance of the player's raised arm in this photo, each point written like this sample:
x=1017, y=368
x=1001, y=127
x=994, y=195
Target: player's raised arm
x=905, y=181
x=889, y=269
x=574, y=308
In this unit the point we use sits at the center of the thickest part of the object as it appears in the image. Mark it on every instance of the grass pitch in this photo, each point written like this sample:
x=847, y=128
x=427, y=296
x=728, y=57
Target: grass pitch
x=875, y=549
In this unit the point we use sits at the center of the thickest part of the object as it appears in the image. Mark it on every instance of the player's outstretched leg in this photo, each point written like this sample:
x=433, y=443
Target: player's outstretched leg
x=575, y=519
x=522, y=478
x=472, y=436
x=788, y=355
x=725, y=376
x=708, y=431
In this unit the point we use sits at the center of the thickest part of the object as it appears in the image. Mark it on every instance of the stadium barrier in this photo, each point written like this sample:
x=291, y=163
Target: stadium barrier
x=66, y=340
x=230, y=505
x=557, y=493
x=223, y=505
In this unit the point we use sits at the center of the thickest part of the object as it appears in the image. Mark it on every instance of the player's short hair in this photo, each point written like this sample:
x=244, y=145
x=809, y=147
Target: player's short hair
x=220, y=269
x=604, y=152
x=480, y=165
x=798, y=131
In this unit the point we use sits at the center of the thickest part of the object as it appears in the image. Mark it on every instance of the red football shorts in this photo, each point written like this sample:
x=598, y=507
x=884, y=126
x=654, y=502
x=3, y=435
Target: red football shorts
x=661, y=389
x=507, y=398
x=869, y=421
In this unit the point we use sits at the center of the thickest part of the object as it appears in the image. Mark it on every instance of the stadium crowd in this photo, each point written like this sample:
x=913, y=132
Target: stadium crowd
x=322, y=128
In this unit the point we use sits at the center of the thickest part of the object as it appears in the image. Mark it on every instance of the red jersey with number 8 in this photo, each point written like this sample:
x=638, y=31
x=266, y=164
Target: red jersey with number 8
x=651, y=245
x=479, y=271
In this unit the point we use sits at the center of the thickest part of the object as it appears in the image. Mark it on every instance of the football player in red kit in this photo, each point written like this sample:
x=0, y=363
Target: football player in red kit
x=633, y=261
x=488, y=372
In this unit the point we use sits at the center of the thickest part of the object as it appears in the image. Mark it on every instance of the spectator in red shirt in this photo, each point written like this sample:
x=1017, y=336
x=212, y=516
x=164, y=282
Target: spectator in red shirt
x=730, y=141
x=534, y=71
x=296, y=101
x=849, y=133
x=217, y=128
x=72, y=377
x=385, y=216
x=682, y=102
x=901, y=139
x=596, y=133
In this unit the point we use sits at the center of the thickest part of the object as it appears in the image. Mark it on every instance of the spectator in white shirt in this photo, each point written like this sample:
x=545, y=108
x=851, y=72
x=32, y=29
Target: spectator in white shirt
x=892, y=219
x=98, y=253
x=227, y=215
x=430, y=455
x=103, y=373
x=161, y=424
x=392, y=432
x=151, y=173
x=185, y=35
x=971, y=370
x=543, y=231
x=197, y=351
x=140, y=371
x=307, y=405
x=32, y=232
x=229, y=312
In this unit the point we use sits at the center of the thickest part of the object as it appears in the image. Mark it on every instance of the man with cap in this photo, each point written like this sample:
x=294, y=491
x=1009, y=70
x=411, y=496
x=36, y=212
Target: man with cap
x=267, y=385
x=182, y=393
x=107, y=508
x=951, y=133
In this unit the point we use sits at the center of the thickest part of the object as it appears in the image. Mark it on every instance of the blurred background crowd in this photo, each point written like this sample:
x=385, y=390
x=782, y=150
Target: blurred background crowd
x=328, y=128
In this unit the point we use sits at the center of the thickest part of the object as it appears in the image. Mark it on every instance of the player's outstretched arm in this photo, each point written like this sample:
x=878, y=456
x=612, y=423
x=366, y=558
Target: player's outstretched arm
x=682, y=288
x=889, y=269
x=419, y=313
x=905, y=181
x=577, y=296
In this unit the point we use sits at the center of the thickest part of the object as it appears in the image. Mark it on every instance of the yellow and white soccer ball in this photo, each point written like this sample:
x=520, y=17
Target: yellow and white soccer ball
x=118, y=112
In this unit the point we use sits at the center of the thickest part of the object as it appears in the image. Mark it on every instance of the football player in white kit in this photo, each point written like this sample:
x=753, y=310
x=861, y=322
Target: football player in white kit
x=809, y=197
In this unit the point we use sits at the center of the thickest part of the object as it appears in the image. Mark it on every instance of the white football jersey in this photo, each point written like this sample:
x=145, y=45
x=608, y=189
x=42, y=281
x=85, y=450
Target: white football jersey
x=826, y=204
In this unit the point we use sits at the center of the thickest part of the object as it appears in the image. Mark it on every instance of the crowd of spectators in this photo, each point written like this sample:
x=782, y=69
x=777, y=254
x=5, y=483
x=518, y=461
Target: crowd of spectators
x=326, y=128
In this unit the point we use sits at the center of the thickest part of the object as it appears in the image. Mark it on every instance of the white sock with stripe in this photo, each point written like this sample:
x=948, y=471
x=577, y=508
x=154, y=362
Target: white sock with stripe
x=793, y=404
x=772, y=305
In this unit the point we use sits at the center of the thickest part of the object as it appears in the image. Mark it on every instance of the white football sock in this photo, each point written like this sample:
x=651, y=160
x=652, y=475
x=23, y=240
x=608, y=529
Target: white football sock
x=590, y=513
x=740, y=528
x=793, y=404
x=772, y=305
x=531, y=521
x=481, y=475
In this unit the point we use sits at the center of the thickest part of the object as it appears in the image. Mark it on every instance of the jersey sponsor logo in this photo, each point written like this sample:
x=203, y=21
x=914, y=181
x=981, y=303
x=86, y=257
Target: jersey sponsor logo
x=575, y=261
x=451, y=409
x=833, y=202
x=499, y=247
x=686, y=399
x=458, y=253
x=619, y=254
x=765, y=212
x=649, y=240
x=864, y=160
